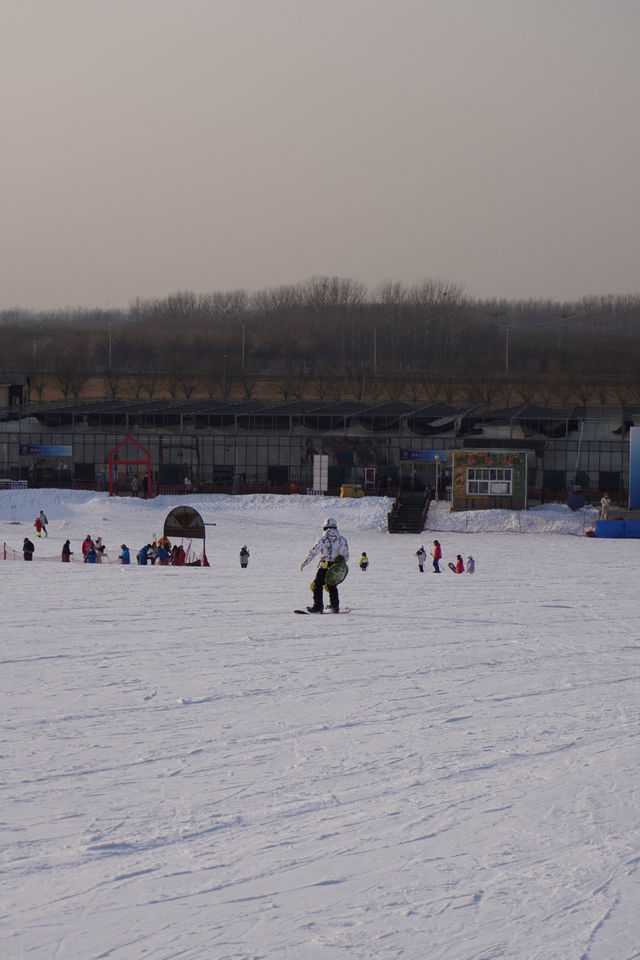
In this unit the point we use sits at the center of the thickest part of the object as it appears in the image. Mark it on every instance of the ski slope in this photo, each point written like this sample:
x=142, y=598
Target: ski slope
x=188, y=771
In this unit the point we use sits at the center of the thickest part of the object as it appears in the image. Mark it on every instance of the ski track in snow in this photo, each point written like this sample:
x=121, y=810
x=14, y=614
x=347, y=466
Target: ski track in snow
x=191, y=771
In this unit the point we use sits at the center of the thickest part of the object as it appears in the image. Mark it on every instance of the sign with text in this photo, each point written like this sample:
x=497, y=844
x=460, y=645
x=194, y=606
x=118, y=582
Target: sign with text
x=417, y=456
x=45, y=450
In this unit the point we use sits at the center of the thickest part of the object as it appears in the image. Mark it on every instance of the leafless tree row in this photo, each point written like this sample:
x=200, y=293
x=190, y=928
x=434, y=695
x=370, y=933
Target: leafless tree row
x=329, y=336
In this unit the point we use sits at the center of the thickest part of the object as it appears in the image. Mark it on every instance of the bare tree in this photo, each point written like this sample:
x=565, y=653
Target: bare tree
x=113, y=379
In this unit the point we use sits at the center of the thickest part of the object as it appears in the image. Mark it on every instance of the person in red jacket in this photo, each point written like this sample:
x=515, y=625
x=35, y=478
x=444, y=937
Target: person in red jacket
x=459, y=564
x=437, y=556
x=87, y=546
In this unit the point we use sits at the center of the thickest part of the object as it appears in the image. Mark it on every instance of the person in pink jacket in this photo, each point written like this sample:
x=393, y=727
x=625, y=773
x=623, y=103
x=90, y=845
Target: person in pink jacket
x=437, y=556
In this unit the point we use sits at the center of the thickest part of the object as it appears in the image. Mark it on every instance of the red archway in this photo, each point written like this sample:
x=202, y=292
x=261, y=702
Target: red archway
x=146, y=460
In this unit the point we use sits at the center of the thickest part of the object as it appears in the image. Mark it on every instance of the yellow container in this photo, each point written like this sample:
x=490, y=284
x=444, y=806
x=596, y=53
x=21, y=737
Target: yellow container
x=351, y=490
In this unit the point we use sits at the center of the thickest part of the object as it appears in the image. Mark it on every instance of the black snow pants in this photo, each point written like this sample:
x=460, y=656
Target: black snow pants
x=318, y=591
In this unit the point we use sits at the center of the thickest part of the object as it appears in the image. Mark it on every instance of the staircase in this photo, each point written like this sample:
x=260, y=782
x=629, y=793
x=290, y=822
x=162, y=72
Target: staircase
x=408, y=513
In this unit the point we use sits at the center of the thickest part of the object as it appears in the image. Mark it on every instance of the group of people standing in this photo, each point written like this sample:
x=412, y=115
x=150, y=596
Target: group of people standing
x=458, y=567
x=92, y=551
x=161, y=552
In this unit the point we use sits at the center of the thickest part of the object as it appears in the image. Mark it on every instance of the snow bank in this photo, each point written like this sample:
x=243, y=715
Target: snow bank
x=365, y=513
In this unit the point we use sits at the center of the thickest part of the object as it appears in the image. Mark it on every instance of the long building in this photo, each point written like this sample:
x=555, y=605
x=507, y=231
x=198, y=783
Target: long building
x=257, y=445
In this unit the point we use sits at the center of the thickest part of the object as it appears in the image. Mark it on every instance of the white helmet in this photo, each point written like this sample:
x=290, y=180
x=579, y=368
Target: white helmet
x=330, y=523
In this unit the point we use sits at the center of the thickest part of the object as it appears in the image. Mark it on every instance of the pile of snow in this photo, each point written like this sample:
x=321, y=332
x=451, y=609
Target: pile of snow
x=365, y=513
x=547, y=518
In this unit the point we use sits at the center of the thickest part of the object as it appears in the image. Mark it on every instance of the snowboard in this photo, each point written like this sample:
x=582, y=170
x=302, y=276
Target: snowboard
x=307, y=614
x=452, y=567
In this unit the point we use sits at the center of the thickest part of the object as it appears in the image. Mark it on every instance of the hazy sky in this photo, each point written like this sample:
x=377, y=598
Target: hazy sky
x=151, y=146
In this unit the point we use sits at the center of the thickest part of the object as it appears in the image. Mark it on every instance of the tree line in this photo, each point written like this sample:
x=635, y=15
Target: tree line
x=330, y=337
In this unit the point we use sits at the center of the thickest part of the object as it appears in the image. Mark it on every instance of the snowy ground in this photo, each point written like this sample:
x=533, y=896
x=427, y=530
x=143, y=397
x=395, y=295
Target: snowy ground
x=191, y=772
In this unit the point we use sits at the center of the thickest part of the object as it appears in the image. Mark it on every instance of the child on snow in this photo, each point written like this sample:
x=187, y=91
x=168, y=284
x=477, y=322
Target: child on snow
x=471, y=565
x=244, y=557
x=363, y=563
x=421, y=554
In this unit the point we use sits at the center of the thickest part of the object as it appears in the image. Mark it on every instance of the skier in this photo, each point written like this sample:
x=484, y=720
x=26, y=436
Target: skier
x=471, y=565
x=27, y=549
x=66, y=552
x=330, y=546
x=421, y=554
x=437, y=556
x=244, y=557
x=363, y=563
x=38, y=525
x=125, y=556
x=44, y=522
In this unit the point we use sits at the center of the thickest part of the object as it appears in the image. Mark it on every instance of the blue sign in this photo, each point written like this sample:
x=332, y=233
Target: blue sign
x=423, y=455
x=45, y=450
x=634, y=467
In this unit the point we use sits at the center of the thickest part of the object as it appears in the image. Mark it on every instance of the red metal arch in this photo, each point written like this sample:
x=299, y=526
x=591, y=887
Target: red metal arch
x=146, y=460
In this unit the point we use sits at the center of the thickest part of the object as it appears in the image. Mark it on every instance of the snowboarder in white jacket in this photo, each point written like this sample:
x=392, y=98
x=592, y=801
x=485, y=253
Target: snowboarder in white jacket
x=421, y=554
x=329, y=546
x=244, y=557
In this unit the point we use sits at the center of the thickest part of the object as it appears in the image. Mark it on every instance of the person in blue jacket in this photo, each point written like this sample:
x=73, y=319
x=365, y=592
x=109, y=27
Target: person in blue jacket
x=163, y=556
x=125, y=556
x=142, y=555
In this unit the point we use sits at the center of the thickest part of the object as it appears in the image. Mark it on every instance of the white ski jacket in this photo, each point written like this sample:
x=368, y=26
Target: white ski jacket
x=330, y=545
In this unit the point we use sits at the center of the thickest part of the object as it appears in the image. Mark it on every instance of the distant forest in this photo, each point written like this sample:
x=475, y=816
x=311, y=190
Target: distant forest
x=329, y=338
